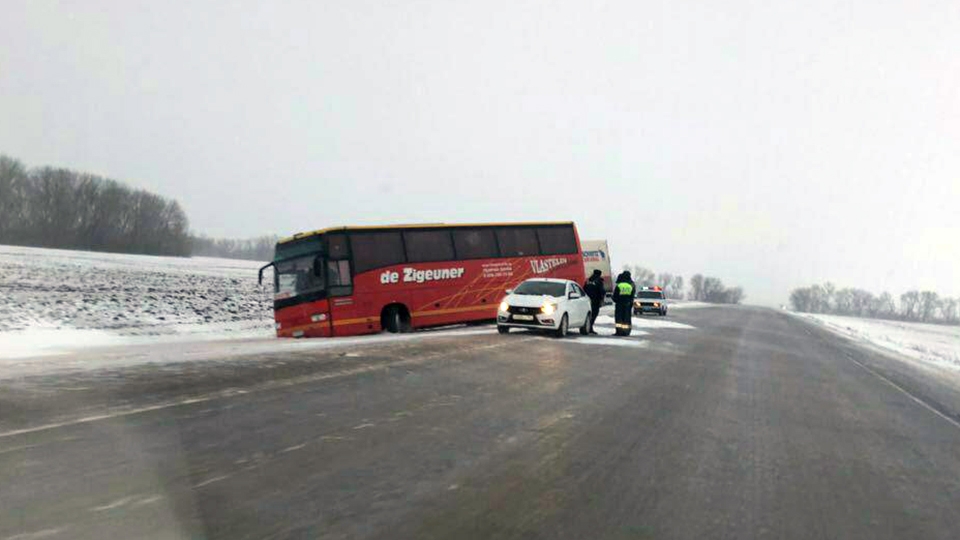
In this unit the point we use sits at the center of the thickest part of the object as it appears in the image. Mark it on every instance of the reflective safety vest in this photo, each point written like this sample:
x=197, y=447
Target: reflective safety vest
x=625, y=288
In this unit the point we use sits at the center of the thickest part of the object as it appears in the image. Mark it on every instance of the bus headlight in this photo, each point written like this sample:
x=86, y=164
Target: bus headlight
x=504, y=306
x=548, y=308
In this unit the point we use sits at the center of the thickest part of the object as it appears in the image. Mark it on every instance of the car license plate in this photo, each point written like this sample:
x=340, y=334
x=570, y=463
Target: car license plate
x=523, y=317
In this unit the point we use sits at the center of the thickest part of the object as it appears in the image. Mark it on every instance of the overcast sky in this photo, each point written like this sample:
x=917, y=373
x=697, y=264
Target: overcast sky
x=772, y=144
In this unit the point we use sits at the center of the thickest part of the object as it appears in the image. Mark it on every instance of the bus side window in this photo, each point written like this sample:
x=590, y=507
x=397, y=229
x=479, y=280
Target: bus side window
x=428, y=246
x=557, y=240
x=517, y=242
x=373, y=250
x=337, y=246
x=339, y=282
x=475, y=243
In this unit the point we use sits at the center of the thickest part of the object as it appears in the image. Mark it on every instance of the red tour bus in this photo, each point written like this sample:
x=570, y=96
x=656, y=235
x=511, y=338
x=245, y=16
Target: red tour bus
x=347, y=281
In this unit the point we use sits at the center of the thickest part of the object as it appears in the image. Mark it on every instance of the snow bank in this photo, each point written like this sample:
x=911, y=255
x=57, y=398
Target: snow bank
x=928, y=343
x=646, y=322
x=684, y=304
x=612, y=341
x=54, y=299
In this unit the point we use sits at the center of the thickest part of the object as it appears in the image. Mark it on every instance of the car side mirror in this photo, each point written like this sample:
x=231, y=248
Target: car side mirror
x=573, y=295
x=509, y=291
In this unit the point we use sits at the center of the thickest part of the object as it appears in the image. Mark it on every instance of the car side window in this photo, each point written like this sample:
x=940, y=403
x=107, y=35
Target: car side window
x=578, y=290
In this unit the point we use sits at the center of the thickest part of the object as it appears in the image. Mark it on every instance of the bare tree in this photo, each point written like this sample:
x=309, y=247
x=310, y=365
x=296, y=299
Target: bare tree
x=696, y=287
x=676, y=288
x=951, y=310
x=257, y=249
x=929, y=306
x=12, y=178
x=910, y=305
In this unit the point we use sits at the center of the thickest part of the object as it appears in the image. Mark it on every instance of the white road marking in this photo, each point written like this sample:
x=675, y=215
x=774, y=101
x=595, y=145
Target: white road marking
x=94, y=418
x=133, y=500
x=148, y=500
x=211, y=480
x=45, y=533
x=363, y=426
x=292, y=448
x=900, y=389
x=15, y=448
x=110, y=506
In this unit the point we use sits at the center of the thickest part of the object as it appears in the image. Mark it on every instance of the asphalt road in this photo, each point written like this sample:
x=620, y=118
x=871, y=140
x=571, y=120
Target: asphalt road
x=751, y=424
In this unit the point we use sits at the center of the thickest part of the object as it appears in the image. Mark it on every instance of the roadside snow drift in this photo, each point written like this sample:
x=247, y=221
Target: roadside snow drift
x=927, y=343
x=645, y=322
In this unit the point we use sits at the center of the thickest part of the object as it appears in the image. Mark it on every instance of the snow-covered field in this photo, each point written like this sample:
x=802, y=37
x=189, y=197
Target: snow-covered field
x=55, y=300
x=931, y=344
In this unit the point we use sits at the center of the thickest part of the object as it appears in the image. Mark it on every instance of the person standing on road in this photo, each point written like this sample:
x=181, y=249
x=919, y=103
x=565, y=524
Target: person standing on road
x=623, y=294
x=594, y=289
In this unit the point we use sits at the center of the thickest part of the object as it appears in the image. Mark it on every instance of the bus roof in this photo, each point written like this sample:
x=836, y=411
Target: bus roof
x=299, y=236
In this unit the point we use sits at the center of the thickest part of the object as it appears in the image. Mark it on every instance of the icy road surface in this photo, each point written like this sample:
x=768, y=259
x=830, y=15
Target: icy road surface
x=724, y=422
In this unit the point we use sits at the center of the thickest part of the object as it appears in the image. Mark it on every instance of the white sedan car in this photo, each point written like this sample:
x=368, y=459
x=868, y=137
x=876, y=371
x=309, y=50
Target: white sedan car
x=545, y=304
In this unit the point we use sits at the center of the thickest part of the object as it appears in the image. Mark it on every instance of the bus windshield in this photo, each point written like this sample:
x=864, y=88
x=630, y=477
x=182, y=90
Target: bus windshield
x=296, y=276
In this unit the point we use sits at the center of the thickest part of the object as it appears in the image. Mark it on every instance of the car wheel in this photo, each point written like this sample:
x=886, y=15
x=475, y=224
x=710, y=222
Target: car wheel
x=561, y=330
x=503, y=329
x=587, y=325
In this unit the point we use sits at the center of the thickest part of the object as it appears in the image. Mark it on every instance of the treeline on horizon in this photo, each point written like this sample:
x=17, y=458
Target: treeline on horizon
x=702, y=288
x=60, y=208
x=254, y=249
x=914, y=306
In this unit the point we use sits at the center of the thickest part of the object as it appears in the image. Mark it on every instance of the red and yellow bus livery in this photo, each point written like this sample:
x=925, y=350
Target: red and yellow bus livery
x=359, y=280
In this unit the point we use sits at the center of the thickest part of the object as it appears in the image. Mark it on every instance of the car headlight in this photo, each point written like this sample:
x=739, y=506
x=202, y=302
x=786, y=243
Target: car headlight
x=548, y=308
x=504, y=306
x=656, y=304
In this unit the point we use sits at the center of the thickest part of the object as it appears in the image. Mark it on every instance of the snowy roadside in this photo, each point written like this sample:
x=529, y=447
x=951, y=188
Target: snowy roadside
x=930, y=345
x=687, y=304
x=56, y=301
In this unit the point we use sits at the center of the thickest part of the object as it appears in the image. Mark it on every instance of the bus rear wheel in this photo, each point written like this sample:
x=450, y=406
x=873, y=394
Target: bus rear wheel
x=395, y=320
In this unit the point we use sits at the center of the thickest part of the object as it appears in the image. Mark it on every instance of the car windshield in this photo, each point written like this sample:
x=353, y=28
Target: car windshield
x=649, y=294
x=296, y=276
x=547, y=288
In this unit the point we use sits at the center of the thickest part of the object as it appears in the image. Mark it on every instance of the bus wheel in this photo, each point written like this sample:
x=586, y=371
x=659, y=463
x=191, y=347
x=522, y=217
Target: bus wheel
x=395, y=320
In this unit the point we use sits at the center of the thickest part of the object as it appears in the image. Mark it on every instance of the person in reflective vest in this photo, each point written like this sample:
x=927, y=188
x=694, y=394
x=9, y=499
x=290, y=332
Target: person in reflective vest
x=623, y=295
